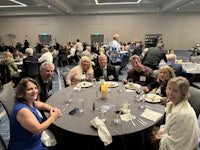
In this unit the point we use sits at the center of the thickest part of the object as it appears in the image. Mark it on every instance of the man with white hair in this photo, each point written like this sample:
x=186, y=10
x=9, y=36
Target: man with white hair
x=30, y=57
x=137, y=50
x=87, y=52
x=178, y=69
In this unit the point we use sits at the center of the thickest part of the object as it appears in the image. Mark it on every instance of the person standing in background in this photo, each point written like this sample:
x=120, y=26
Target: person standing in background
x=26, y=45
x=114, y=50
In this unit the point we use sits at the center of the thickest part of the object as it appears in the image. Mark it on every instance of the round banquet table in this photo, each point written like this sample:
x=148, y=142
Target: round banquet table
x=77, y=131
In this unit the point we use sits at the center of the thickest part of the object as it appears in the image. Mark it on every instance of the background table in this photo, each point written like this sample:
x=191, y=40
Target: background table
x=193, y=71
x=77, y=130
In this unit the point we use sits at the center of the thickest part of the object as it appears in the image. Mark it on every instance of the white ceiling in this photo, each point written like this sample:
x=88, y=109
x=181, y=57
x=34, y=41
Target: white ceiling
x=82, y=7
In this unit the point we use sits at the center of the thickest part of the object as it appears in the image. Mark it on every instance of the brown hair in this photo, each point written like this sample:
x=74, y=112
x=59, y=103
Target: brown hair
x=21, y=89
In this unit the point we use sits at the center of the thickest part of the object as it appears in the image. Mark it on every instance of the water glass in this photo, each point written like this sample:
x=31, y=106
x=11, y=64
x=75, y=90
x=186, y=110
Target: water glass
x=103, y=115
x=81, y=105
x=117, y=119
x=143, y=97
x=97, y=93
x=70, y=97
x=94, y=82
x=78, y=86
x=102, y=80
x=120, y=88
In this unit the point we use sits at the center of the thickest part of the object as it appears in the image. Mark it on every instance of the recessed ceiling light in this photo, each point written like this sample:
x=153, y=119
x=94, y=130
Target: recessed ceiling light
x=116, y=3
x=19, y=4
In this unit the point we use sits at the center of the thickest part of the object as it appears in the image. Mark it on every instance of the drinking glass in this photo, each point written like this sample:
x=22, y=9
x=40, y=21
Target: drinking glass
x=78, y=86
x=102, y=80
x=81, y=105
x=143, y=97
x=70, y=97
x=117, y=118
x=94, y=82
x=103, y=115
x=120, y=88
x=97, y=93
x=137, y=92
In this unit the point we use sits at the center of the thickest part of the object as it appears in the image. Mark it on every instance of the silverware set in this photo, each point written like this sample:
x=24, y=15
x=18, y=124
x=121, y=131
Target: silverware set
x=141, y=121
x=138, y=120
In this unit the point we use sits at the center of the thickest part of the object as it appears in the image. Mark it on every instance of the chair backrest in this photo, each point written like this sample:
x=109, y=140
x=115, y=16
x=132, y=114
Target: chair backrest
x=4, y=74
x=31, y=69
x=125, y=61
x=55, y=62
x=7, y=97
x=195, y=59
x=64, y=75
x=117, y=69
x=194, y=99
x=2, y=144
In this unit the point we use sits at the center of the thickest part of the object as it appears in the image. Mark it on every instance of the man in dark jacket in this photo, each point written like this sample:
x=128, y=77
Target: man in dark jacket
x=106, y=70
x=154, y=55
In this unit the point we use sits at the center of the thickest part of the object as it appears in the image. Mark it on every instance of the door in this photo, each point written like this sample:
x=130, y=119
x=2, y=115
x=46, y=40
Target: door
x=97, y=38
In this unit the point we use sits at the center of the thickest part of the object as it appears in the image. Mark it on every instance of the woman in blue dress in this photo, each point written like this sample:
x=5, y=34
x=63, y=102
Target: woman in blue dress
x=26, y=124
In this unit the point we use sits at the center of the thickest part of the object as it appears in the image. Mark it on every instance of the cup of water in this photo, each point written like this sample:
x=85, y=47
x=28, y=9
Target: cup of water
x=103, y=115
x=81, y=105
x=70, y=97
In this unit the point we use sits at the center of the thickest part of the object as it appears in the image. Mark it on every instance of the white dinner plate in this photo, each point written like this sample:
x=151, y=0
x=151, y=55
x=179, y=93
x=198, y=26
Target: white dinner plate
x=85, y=84
x=153, y=98
x=111, y=84
x=132, y=86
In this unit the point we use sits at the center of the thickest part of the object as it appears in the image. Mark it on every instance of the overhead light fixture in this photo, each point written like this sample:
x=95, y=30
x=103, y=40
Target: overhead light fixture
x=117, y=3
x=19, y=4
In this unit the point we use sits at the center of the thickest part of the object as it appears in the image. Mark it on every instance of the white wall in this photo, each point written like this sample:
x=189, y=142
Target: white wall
x=180, y=31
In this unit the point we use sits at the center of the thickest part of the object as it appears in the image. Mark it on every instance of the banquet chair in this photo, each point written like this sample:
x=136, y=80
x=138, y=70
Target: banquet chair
x=2, y=144
x=124, y=63
x=55, y=62
x=31, y=69
x=117, y=69
x=195, y=59
x=7, y=97
x=4, y=74
x=194, y=99
x=64, y=75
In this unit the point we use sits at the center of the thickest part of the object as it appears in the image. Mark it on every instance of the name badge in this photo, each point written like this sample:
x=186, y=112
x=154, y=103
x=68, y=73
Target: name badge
x=142, y=78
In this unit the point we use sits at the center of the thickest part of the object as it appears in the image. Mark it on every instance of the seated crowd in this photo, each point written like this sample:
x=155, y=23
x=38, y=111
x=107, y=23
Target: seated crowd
x=96, y=62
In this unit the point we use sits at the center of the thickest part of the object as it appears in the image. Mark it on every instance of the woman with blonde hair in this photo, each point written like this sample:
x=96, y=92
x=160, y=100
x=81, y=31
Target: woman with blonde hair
x=165, y=73
x=9, y=61
x=83, y=71
x=181, y=130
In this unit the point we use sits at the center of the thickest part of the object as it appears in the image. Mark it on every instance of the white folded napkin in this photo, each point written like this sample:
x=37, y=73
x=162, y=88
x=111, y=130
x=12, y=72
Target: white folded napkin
x=102, y=130
x=125, y=108
x=151, y=115
x=127, y=117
